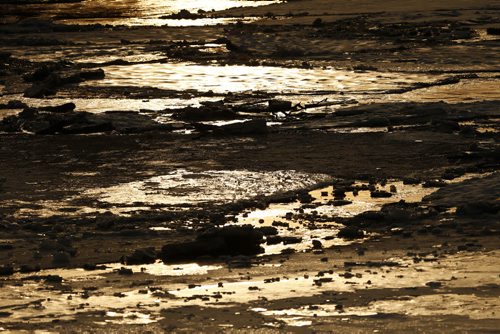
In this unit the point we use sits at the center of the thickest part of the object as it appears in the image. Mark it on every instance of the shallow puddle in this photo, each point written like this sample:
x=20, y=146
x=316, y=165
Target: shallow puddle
x=467, y=90
x=308, y=223
x=469, y=306
x=84, y=292
x=189, y=187
x=158, y=21
x=102, y=105
x=239, y=78
x=128, y=12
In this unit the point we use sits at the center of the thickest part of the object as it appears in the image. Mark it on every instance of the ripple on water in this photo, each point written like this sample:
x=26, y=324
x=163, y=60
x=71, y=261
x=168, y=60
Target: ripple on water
x=132, y=13
x=240, y=78
x=214, y=186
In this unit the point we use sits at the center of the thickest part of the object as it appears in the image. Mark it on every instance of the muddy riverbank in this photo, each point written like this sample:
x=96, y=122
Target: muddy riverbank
x=294, y=166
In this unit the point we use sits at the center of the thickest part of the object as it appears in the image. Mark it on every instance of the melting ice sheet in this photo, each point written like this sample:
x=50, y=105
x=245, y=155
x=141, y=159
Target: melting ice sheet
x=186, y=187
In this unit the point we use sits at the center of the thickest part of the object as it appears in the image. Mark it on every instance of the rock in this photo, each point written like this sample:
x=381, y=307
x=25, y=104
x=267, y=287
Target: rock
x=53, y=279
x=434, y=184
x=281, y=224
x=125, y=271
x=279, y=105
x=350, y=232
x=86, y=128
x=228, y=240
x=14, y=104
x=304, y=197
x=377, y=122
x=287, y=251
x=5, y=55
x=61, y=120
x=411, y=180
x=288, y=240
x=273, y=240
x=251, y=127
x=317, y=244
x=6, y=270
x=57, y=245
x=339, y=193
x=364, y=68
x=317, y=23
x=4, y=247
x=41, y=73
x=340, y=202
x=61, y=258
x=140, y=256
x=380, y=194
x=493, y=31
x=217, y=219
x=39, y=90
x=478, y=208
x=183, y=14
x=210, y=112
x=26, y=268
x=44, y=88
x=63, y=108
x=446, y=126
x=92, y=74
x=268, y=230
x=434, y=284
x=93, y=266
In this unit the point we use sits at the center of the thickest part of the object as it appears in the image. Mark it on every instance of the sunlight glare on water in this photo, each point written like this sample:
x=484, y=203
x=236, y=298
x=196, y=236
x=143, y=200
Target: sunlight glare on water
x=238, y=78
x=141, y=12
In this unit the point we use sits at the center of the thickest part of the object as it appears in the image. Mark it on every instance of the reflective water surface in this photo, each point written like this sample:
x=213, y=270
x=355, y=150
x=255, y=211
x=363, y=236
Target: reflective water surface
x=238, y=78
x=132, y=12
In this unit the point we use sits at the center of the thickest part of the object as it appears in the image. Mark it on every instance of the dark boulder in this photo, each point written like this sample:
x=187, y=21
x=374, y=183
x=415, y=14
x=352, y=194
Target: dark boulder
x=92, y=74
x=6, y=270
x=351, y=232
x=279, y=105
x=63, y=108
x=268, y=230
x=26, y=268
x=288, y=240
x=87, y=128
x=380, y=194
x=13, y=104
x=140, y=256
x=228, y=240
x=317, y=244
x=474, y=209
x=211, y=112
x=493, y=31
x=183, y=14
x=42, y=89
x=61, y=258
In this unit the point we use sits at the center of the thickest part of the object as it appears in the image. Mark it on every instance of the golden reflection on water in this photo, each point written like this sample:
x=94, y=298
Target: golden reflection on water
x=239, y=78
x=144, y=12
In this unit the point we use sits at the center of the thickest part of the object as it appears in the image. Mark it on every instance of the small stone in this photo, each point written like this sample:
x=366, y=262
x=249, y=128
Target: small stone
x=125, y=271
x=6, y=270
x=317, y=244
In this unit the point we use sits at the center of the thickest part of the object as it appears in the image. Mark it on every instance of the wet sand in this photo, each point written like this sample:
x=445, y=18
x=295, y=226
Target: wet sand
x=359, y=141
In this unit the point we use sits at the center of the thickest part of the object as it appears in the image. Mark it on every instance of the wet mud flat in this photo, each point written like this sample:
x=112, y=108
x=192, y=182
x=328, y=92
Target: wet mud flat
x=288, y=167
